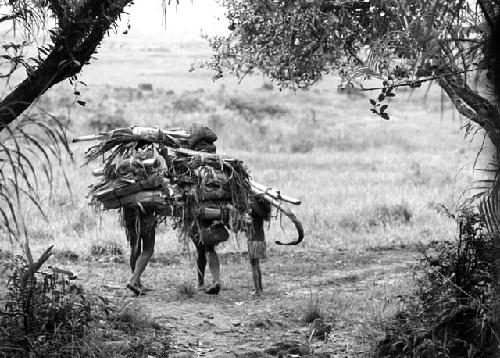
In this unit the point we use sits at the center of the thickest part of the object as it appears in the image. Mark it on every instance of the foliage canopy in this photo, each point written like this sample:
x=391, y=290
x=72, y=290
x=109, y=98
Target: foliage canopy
x=405, y=42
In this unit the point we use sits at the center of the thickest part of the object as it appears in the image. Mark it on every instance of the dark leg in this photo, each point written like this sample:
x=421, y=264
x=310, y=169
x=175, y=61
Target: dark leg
x=201, y=263
x=214, y=266
x=147, y=238
x=256, y=276
x=135, y=251
x=130, y=220
x=260, y=278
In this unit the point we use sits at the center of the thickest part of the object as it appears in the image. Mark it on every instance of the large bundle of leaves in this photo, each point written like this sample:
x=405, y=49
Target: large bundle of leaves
x=141, y=171
x=451, y=313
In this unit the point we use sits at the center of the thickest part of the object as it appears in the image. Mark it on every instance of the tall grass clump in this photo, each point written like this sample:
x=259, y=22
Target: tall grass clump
x=450, y=313
x=44, y=314
x=254, y=108
x=185, y=289
x=313, y=309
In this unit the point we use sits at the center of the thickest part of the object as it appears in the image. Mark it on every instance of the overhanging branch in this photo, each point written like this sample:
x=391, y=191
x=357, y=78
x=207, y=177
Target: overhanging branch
x=73, y=47
x=460, y=104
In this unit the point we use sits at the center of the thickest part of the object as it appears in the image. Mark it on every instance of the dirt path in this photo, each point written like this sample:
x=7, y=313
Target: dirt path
x=235, y=323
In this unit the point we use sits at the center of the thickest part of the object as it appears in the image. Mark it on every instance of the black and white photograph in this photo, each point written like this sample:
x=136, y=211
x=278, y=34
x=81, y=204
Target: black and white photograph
x=249, y=178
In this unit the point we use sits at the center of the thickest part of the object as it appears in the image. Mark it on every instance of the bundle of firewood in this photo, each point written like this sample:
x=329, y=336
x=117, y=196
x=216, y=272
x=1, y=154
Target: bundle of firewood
x=150, y=167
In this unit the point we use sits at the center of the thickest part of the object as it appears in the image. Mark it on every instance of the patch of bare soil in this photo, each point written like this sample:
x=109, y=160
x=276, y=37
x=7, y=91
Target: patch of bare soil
x=236, y=323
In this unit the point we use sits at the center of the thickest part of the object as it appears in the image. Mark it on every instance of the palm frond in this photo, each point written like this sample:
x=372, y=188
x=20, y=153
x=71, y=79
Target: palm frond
x=28, y=147
x=487, y=199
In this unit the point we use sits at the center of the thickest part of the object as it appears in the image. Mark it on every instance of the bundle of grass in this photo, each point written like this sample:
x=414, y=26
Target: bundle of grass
x=158, y=169
x=149, y=167
x=451, y=312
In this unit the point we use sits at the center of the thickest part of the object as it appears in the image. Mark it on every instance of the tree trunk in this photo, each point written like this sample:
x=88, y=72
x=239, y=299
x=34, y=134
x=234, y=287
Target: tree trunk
x=489, y=207
x=74, y=44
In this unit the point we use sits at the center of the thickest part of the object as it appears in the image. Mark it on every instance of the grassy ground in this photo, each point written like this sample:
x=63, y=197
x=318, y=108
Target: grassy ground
x=365, y=184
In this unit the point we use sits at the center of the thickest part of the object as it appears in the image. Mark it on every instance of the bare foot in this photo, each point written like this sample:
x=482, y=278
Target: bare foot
x=136, y=290
x=214, y=290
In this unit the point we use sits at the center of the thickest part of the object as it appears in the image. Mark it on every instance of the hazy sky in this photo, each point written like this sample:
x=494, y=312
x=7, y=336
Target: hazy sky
x=183, y=21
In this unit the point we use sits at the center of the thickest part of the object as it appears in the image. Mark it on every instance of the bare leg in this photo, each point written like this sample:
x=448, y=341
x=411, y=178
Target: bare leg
x=201, y=263
x=130, y=217
x=214, y=266
x=147, y=237
x=256, y=276
x=135, y=251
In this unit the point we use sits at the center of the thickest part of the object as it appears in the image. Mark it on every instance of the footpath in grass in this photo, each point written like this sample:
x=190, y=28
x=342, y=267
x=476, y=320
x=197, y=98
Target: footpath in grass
x=316, y=303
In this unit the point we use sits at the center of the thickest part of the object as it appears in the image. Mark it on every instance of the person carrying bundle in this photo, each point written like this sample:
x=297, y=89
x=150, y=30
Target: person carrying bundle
x=206, y=234
x=152, y=173
x=140, y=226
x=210, y=234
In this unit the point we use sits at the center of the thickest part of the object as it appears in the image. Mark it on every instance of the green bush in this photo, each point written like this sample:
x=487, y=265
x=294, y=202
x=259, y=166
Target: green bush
x=254, y=108
x=106, y=248
x=188, y=104
x=44, y=313
x=185, y=289
x=383, y=215
x=450, y=313
x=106, y=122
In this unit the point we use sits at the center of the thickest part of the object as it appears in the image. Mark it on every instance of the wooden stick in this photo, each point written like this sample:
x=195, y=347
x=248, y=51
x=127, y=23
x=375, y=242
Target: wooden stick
x=275, y=194
x=99, y=172
x=87, y=138
x=285, y=210
x=173, y=133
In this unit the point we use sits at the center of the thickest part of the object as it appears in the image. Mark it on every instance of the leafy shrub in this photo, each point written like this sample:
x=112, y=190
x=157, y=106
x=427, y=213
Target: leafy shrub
x=350, y=222
x=188, y=104
x=380, y=215
x=83, y=222
x=302, y=146
x=44, y=313
x=133, y=333
x=313, y=309
x=389, y=214
x=186, y=289
x=254, y=108
x=268, y=86
x=106, y=122
x=106, y=248
x=130, y=319
x=450, y=313
x=66, y=255
x=145, y=87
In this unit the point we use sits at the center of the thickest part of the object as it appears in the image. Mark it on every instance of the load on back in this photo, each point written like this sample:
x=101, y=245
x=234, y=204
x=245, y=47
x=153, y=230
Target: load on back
x=177, y=173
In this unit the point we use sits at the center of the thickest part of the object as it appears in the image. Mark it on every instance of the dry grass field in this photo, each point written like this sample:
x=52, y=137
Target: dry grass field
x=371, y=190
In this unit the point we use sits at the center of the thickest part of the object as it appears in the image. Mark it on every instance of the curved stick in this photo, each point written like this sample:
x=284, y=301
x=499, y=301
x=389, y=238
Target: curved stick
x=285, y=210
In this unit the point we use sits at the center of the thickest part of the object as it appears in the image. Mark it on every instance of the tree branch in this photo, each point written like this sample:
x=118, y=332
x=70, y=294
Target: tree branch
x=73, y=47
x=460, y=104
x=478, y=103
